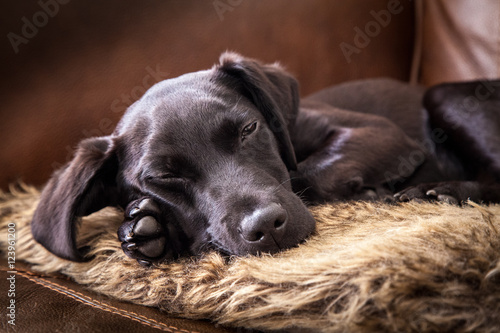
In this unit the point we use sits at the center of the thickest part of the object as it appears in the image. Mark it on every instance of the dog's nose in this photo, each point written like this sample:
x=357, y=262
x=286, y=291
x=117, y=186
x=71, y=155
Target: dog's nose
x=265, y=226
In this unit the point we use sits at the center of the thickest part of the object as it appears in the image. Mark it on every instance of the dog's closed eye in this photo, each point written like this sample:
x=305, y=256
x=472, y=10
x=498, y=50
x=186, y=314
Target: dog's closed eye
x=170, y=179
x=168, y=176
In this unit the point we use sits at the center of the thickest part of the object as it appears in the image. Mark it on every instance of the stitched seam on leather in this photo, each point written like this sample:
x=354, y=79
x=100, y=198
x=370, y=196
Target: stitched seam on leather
x=103, y=306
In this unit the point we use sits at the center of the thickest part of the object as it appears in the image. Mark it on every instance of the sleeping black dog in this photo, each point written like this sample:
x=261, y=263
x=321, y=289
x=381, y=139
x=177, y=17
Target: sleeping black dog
x=225, y=158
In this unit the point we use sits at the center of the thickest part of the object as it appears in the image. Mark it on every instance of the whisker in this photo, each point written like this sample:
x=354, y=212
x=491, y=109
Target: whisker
x=283, y=182
x=215, y=246
x=301, y=196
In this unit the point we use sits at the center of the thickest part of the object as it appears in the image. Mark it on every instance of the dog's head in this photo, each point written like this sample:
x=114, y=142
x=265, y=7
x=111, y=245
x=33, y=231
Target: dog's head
x=213, y=147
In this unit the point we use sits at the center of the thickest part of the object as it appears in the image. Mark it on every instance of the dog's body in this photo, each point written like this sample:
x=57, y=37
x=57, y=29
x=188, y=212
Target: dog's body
x=213, y=159
x=406, y=139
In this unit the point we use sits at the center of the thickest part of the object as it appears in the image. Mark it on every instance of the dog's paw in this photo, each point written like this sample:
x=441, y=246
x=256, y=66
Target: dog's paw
x=450, y=192
x=142, y=235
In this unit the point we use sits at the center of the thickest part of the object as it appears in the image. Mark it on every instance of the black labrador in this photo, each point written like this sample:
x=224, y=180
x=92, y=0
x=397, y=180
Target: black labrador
x=225, y=158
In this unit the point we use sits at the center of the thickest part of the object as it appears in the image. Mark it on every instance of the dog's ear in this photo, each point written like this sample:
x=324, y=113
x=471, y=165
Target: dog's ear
x=84, y=185
x=273, y=91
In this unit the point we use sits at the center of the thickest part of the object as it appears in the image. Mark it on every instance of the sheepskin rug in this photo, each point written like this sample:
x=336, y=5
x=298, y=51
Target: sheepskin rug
x=370, y=267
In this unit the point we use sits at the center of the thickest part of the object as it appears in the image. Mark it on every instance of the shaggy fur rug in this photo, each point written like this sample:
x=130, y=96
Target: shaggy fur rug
x=412, y=267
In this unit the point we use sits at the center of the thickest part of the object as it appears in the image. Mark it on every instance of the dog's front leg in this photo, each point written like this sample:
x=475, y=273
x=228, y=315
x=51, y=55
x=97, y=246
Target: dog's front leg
x=142, y=235
x=318, y=180
x=346, y=155
x=346, y=164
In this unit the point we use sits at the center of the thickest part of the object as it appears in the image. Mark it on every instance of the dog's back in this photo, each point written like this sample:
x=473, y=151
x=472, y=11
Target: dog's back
x=395, y=100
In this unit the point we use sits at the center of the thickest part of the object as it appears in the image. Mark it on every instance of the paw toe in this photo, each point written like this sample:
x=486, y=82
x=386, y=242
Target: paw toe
x=147, y=250
x=448, y=199
x=442, y=194
x=125, y=232
x=144, y=263
x=143, y=206
x=431, y=193
x=153, y=248
x=149, y=205
x=147, y=226
x=404, y=197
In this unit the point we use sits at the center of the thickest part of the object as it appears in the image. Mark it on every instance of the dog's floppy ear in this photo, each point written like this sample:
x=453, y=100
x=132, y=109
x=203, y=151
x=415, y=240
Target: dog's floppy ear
x=273, y=91
x=84, y=185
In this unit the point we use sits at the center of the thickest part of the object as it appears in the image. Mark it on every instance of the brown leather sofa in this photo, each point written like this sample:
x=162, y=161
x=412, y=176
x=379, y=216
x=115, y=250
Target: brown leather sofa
x=78, y=73
x=70, y=68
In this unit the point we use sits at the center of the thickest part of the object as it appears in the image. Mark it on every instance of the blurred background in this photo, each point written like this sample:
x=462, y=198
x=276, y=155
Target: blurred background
x=69, y=69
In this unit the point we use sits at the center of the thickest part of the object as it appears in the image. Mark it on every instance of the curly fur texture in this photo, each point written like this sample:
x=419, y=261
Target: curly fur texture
x=413, y=267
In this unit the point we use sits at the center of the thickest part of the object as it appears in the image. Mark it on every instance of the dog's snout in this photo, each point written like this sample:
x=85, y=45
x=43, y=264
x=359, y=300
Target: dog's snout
x=264, y=225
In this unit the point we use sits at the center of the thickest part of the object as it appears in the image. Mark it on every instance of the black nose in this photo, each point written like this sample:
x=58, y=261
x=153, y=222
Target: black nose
x=264, y=226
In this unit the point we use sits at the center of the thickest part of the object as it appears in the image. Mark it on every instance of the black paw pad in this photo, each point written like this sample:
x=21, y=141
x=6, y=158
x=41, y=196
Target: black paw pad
x=142, y=235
